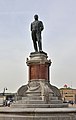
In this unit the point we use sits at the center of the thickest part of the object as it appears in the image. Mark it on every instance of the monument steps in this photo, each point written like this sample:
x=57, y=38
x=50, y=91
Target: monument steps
x=39, y=105
x=55, y=101
x=30, y=102
x=49, y=117
x=32, y=98
x=38, y=98
x=53, y=98
x=38, y=102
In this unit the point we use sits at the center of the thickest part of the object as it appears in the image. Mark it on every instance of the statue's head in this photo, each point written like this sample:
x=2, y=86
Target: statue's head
x=36, y=17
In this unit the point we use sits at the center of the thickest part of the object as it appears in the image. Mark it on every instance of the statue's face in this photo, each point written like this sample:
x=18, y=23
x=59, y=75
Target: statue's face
x=36, y=17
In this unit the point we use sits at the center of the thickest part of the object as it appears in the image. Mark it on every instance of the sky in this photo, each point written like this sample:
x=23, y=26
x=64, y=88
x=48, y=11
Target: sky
x=58, y=40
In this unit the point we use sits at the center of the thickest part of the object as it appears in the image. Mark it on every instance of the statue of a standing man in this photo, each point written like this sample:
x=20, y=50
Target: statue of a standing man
x=36, y=28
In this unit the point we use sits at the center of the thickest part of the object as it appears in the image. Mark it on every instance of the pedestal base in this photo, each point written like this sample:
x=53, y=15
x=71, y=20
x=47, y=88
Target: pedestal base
x=38, y=114
x=39, y=93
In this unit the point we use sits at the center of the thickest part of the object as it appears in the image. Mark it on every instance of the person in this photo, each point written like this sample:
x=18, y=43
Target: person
x=8, y=103
x=36, y=28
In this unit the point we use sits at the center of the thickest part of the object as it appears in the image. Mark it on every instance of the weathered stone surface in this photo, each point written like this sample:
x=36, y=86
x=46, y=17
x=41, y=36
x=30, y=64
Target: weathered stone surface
x=39, y=92
x=38, y=114
x=38, y=100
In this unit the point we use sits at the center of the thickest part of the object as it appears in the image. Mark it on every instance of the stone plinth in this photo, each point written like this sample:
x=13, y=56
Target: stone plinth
x=38, y=66
x=39, y=93
x=38, y=100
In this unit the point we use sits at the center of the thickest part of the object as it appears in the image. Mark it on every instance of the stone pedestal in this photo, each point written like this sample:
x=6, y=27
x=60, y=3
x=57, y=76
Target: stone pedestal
x=38, y=66
x=38, y=100
x=39, y=93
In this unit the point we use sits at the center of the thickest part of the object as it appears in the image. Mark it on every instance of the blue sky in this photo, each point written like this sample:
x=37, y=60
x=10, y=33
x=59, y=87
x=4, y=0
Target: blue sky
x=58, y=39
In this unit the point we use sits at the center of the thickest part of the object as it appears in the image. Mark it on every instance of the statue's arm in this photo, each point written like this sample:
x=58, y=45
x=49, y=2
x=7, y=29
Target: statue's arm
x=31, y=26
x=41, y=25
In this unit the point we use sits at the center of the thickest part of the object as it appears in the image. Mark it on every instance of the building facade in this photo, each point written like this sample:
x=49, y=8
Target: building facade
x=68, y=94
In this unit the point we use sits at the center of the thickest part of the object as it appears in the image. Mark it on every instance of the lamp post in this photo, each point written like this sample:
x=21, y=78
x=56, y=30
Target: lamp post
x=4, y=91
x=4, y=97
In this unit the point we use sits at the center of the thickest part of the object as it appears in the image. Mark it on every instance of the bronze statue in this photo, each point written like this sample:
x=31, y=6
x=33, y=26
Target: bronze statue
x=36, y=28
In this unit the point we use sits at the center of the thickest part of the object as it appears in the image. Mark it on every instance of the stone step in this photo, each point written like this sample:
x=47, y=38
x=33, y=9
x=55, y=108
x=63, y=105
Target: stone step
x=55, y=101
x=20, y=117
x=30, y=102
x=37, y=102
x=38, y=98
x=32, y=98
x=62, y=105
x=53, y=98
x=39, y=105
x=30, y=106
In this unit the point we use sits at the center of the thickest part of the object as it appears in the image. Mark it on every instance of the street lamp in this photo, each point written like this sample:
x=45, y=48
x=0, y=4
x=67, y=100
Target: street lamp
x=4, y=90
x=4, y=97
